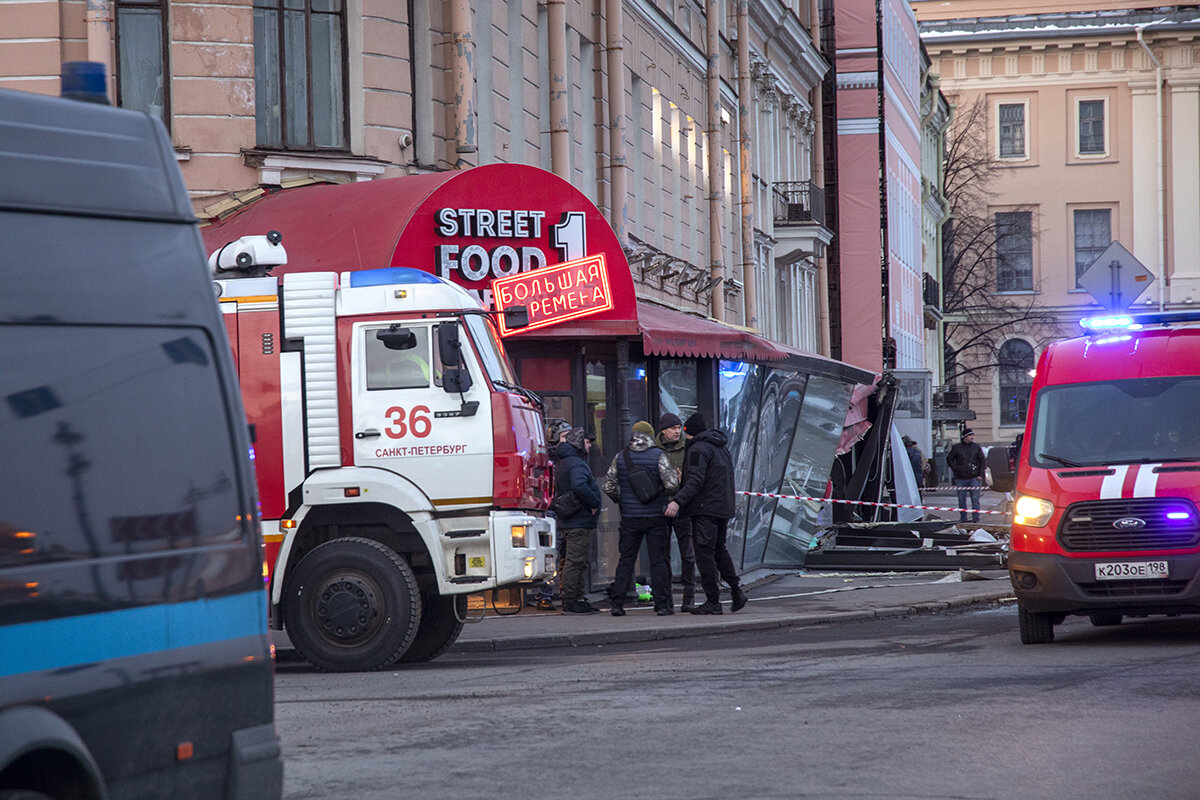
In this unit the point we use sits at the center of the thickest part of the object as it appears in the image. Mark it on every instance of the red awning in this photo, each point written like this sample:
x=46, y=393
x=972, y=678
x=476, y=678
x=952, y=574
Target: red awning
x=673, y=333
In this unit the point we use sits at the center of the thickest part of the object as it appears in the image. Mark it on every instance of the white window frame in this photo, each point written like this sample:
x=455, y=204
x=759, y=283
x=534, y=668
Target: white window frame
x=1024, y=155
x=1078, y=133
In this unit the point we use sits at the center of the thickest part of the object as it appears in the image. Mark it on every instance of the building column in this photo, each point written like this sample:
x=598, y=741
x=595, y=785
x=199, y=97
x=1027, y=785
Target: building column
x=1184, y=242
x=1144, y=168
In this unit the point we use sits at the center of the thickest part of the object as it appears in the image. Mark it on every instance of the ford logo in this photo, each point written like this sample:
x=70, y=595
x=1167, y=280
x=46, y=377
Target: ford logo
x=1129, y=523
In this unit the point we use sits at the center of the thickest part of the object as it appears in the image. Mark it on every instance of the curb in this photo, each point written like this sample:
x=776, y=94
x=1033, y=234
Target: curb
x=599, y=638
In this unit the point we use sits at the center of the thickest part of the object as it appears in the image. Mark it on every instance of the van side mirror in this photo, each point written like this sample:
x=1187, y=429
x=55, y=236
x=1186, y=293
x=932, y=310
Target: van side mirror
x=1003, y=479
x=456, y=381
x=397, y=338
x=449, y=345
x=516, y=317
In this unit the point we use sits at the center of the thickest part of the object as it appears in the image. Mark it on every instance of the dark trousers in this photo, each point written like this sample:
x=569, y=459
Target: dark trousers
x=577, y=550
x=968, y=488
x=712, y=557
x=687, y=555
x=658, y=544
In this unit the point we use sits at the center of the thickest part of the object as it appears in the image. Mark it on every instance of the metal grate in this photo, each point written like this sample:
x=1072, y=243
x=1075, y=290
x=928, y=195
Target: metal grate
x=1092, y=526
x=1133, y=588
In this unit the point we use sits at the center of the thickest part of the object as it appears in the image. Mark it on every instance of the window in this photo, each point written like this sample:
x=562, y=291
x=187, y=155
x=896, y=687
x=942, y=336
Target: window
x=397, y=369
x=1091, y=127
x=299, y=74
x=1014, y=251
x=1016, y=362
x=1093, y=233
x=1012, y=130
x=141, y=57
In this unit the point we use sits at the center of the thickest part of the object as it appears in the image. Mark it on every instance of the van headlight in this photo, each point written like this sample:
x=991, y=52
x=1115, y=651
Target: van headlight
x=1033, y=511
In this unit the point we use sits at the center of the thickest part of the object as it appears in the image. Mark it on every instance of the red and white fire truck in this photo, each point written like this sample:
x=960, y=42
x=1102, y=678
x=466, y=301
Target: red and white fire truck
x=400, y=465
x=1108, y=479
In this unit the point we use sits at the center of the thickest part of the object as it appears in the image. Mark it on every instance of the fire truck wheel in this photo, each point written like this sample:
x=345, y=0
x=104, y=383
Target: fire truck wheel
x=441, y=622
x=351, y=605
x=1036, y=628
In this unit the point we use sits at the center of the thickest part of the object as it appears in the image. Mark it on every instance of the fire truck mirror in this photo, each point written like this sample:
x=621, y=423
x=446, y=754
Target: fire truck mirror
x=516, y=317
x=397, y=338
x=449, y=346
x=456, y=381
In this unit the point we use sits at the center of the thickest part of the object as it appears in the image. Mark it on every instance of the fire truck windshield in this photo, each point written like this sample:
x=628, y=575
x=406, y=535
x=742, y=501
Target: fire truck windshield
x=491, y=351
x=1144, y=420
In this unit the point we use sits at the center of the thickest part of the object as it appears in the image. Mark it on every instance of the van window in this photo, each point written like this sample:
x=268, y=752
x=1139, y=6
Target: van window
x=120, y=415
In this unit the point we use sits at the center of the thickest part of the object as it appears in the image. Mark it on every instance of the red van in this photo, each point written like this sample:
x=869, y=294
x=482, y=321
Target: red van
x=1105, y=521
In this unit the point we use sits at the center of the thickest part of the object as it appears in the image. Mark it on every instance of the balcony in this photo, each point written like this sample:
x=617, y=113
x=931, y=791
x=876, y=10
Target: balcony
x=951, y=404
x=931, y=298
x=798, y=211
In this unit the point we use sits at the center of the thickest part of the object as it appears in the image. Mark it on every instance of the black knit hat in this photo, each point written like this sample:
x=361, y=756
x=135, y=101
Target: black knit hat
x=668, y=420
x=966, y=432
x=695, y=424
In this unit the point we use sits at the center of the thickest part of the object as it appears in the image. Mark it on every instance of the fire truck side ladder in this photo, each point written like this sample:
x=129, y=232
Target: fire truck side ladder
x=309, y=306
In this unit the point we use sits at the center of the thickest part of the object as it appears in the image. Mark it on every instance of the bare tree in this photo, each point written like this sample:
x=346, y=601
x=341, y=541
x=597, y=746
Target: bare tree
x=976, y=266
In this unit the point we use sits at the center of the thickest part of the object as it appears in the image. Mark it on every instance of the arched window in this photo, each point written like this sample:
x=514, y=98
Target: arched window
x=1016, y=364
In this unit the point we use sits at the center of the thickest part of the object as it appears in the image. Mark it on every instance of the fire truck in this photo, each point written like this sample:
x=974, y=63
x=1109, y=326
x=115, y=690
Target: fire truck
x=400, y=465
x=1106, y=523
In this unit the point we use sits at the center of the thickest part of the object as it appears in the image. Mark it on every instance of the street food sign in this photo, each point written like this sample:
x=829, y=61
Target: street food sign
x=557, y=294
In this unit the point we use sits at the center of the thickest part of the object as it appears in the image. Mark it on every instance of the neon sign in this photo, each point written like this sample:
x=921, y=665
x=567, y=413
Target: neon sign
x=555, y=294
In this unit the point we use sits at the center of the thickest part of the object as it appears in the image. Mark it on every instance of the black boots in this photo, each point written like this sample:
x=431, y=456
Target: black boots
x=708, y=607
x=739, y=598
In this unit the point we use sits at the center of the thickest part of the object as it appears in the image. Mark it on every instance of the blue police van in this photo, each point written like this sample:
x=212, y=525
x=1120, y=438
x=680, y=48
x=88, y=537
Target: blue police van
x=134, y=656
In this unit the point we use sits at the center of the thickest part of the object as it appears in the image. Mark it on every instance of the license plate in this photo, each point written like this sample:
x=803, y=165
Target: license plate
x=1131, y=570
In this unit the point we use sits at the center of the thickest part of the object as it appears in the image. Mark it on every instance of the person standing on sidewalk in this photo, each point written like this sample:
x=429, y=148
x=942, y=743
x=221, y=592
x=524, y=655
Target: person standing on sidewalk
x=640, y=480
x=706, y=497
x=967, y=462
x=670, y=441
x=572, y=473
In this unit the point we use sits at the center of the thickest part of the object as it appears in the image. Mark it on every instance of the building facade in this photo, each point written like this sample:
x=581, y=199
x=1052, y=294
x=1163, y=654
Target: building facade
x=1089, y=116
x=685, y=129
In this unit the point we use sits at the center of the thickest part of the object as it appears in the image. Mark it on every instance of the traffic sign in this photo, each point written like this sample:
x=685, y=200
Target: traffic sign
x=1116, y=278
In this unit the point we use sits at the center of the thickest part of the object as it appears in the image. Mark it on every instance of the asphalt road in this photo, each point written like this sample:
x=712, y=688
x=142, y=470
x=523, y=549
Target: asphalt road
x=946, y=705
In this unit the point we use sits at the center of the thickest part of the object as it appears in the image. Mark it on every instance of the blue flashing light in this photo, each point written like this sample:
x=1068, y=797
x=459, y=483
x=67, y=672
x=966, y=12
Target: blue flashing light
x=1178, y=515
x=1114, y=339
x=85, y=80
x=391, y=276
x=1107, y=323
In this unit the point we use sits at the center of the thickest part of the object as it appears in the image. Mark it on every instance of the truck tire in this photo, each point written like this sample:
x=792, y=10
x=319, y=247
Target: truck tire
x=441, y=622
x=1105, y=619
x=351, y=605
x=1036, y=628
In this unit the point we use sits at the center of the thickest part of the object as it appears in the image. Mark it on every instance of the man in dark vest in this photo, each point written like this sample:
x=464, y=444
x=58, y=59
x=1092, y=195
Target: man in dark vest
x=670, y=439
x=706, y=497
x=639, y=480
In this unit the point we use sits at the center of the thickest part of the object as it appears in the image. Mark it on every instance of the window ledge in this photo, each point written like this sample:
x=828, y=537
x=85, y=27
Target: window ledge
x=278, y=168
x=1018, y=291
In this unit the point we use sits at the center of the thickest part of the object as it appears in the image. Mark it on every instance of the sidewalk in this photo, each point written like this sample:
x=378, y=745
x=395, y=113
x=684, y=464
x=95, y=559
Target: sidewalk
x=777, y=600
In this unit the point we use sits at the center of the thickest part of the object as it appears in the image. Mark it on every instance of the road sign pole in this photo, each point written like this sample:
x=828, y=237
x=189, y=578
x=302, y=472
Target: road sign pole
x=1114, y=293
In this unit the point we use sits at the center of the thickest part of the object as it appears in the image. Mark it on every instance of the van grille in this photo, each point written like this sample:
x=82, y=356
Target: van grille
x=1090, y=526
x=1133, y=588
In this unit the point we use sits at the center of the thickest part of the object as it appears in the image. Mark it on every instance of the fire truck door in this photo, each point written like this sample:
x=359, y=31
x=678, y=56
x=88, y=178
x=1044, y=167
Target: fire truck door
x=405, y=421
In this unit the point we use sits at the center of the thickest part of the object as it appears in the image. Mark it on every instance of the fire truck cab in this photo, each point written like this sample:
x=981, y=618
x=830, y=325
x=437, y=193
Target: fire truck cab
x=400, y=465
x=1106, y=523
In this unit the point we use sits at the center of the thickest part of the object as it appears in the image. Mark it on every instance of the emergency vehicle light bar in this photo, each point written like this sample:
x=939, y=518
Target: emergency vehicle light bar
x=1138, y=321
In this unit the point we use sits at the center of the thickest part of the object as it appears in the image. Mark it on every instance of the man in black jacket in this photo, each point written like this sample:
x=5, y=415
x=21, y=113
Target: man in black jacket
x=967, y=461
x=572, y=473
x=642, y=517
x=706, y=496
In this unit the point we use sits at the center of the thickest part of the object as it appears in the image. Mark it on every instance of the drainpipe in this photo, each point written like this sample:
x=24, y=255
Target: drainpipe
x=712, y=11
x=560, y=153
x=619, y=210
x=1159, y=175
x=814, y=21
x=99, y=18
x=749, y=270
x=463, y=70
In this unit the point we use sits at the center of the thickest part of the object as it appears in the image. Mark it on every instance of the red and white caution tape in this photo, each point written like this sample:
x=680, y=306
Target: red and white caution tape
x=870, y=503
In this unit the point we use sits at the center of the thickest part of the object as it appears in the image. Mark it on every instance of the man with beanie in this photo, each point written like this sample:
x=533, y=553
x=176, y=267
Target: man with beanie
x=640, y=480
x=670, y=441
x=572, y=473
x=706, y=497
x=967, y=462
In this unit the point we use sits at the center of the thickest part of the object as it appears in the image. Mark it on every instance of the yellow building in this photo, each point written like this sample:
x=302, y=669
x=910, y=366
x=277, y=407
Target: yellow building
x=1092, y=115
